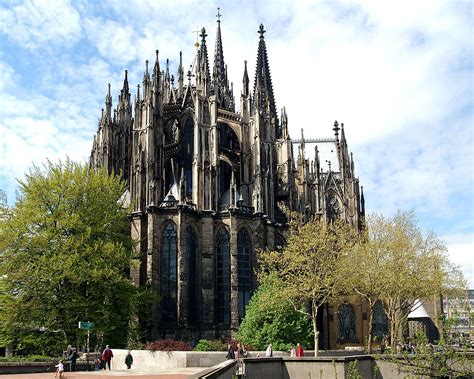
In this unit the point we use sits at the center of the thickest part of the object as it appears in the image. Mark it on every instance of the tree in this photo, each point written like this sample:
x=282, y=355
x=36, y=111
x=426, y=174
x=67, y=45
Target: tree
x=310, y=266
x=399, y=265
x=364, y=273
x=64, y=258
x=271, y=318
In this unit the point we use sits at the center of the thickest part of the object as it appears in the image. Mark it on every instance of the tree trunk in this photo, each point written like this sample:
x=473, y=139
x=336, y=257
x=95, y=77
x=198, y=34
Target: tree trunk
x=392, y=330
x=314, y=319
x=369, y=339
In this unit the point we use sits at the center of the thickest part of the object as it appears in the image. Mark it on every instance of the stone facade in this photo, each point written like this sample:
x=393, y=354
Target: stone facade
x=209, y=185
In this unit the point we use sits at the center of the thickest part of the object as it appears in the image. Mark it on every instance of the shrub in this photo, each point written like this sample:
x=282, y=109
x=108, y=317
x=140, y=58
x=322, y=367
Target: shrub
x=210, y=345
x=168, y=345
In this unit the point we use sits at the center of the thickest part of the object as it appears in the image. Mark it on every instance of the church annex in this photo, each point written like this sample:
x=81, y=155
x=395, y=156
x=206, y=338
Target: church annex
x=209, y=178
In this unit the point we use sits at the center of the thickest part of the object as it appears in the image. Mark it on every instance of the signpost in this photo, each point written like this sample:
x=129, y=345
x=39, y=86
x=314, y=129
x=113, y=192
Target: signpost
x=86, y=325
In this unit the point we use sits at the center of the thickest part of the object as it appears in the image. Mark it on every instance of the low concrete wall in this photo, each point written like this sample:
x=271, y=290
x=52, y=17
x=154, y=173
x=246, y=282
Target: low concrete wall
x=174, y=359
x=225, y=370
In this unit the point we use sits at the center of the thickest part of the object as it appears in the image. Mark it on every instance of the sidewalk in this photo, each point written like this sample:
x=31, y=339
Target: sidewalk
x=177, y=373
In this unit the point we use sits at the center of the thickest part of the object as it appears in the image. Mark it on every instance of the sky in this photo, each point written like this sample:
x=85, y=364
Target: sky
x=398, y=74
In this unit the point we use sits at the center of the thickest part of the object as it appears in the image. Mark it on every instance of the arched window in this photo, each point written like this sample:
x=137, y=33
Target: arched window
x=347, y=326
x=169, y=273
x=244, y=270
x=187, y=154
x=192, y=275
x=222, y=305
x=379, y=321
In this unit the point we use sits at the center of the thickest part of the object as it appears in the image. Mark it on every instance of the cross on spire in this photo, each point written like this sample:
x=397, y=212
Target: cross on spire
x=261, y=30
x=218, y=15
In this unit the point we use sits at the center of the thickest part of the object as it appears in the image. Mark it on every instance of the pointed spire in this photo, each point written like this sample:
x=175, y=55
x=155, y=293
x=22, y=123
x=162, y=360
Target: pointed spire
x=352, y=165
x=108, y=102
x=302, y=143
x=284, y=123
x=343, y=136
x=263, y=79
x=204, y=61
x=156, y=68
x=180, y=75
x=245, y=81
x=219, y=74
x=125, y=83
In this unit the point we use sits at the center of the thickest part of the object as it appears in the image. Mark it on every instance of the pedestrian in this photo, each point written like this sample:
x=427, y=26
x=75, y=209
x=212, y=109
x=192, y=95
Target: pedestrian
x=97, y=364
x=107, y=356
x=269, y=351
x=59, y=370
x=129, y=360
x=299, y=350
x=230, y=352
x=292, y=351
x=242, y=352
x=72, y=358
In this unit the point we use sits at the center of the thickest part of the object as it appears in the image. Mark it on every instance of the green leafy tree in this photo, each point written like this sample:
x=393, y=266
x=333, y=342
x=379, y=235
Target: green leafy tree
x=271, y=318
x=310, y=267
x=64, y=258
x=414, y=266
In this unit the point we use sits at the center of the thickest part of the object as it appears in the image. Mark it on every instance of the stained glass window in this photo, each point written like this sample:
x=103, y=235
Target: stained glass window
x=192, y=275
x=222, y=306
x=169, y=273
x=244, y=270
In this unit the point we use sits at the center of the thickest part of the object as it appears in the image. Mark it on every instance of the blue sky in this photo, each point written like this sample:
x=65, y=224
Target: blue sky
x=398, y=74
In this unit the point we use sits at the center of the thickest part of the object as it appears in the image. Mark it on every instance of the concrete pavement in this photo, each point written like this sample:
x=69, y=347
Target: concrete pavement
x=172, y=373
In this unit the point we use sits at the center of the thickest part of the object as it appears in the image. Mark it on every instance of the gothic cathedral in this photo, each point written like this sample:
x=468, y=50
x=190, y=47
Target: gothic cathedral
x=208, y=185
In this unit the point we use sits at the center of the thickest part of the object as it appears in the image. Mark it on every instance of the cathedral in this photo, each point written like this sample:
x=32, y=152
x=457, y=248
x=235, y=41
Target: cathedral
x=209, y=183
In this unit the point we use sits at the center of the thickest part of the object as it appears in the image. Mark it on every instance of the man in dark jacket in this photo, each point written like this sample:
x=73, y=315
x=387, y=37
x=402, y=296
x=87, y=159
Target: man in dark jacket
x=230, y=352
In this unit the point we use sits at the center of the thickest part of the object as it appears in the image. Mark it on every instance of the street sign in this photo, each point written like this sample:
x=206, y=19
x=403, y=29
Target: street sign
x=86, y=325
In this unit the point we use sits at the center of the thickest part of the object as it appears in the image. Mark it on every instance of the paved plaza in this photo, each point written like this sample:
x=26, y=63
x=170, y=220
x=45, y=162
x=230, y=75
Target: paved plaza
x=176, y=373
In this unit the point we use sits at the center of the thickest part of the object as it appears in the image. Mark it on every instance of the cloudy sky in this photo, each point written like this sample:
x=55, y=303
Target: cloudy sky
x=398, y=74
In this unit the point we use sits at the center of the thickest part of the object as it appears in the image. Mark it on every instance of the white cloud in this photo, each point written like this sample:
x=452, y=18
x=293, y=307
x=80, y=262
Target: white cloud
x=461, y=248
x=37, y=23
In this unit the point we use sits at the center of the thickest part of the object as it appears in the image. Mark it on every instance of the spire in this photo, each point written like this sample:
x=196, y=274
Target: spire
x=263, y=79
x=108, y=102
x=180, y=75
x=219, y=74
x=302, y=143
x=204, y=61
x=125, y=88
x=146, y=81
x=156, y=68
x=284, y=123
x=245, y=81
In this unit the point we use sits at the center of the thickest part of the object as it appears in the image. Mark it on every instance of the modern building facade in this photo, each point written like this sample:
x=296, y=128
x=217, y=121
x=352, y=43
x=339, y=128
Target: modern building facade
x=210, y=184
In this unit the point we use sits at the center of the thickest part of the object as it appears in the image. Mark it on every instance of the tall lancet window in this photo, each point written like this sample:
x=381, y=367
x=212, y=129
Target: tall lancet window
x=187, y=154
x=192, y=275
x=222, y=305
x=244, y=246
x=169, y=273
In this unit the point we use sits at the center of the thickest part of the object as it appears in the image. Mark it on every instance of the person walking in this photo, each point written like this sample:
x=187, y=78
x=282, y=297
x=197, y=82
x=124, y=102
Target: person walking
x=107, y=356
x=299, y=350
x=59, y=370
x=129, y=360
x=72, y=358
x=230, y=352
x=292, y=351
x=269, y=351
